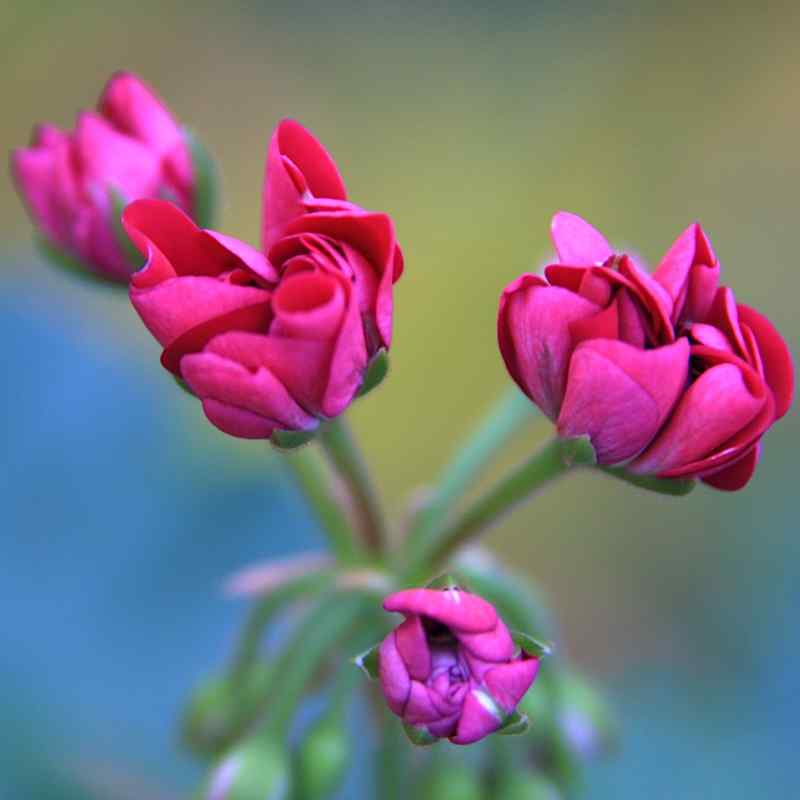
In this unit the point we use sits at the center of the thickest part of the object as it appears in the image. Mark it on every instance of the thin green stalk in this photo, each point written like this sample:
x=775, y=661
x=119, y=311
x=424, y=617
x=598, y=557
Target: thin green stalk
x=556, y=458
x=512, y=411
x=345, y=456
x=313, y=480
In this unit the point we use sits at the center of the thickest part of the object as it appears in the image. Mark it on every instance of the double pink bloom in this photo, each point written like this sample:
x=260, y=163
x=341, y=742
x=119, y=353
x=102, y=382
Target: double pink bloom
x=664, y=372
x=277, y=339
x=451, y=669
x=74, y=182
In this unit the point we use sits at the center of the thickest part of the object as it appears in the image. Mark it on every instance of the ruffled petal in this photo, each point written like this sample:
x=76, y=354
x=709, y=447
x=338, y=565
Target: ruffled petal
x=577, y=243
x=494, y=645
x=477, y=720
x=620, y=396
x=412, y=644
x=736, y=475
x=460, y=611
x=508, y=683
x=394, y=677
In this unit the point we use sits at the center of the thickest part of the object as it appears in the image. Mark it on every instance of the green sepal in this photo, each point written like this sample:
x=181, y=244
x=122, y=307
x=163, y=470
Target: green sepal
x=674, y=487
x=533, y=647
x=515, y=724
x=132, y=255
x=445, y=582
x=377, y=370
x=206, y=182
x=369, y=662
x=578, y=451
x=290, y=440
x=419, y=737
x=70, y=265
x=183, y=385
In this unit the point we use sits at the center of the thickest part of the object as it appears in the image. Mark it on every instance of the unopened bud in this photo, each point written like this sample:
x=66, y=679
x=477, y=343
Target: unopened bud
x=323, y=757
x=258, y=770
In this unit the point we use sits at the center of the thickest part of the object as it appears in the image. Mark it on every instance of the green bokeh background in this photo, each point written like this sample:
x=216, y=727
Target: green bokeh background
x=471, y=124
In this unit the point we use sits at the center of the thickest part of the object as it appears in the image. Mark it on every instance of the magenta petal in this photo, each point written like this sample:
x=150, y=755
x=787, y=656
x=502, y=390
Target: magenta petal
x=134, y=109
x=535, y=339
x=444, y=728
x=714, y=408
x=309, y=305
x=476, y=721
x=620, y=396
x=577, y=242
x=395, y=680
x=420, y=708
x=775, y=355
x=412, y=644
x=493, y=645
x=736, y=475
x=175, y=306
x=237, y=421
x=459, y=610
x=251, y=258
x=212, y=377
x=508, y=683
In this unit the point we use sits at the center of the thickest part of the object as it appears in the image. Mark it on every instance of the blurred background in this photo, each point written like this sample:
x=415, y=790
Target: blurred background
x=471, y=123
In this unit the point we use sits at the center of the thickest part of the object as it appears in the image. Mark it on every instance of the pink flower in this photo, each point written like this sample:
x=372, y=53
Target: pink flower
x=592, y=343
x=665, y=372
x=741, y=381
x=451, y=669
x=274, y=341
x=130, y=146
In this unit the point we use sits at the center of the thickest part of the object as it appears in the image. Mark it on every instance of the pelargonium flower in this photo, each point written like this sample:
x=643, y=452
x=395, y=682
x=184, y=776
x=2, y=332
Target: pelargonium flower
x=74, y=182
x=451, y=669
x=665, y=373
x=281, y=339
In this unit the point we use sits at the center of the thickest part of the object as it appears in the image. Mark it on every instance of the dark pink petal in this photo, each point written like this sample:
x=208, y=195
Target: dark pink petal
x=33, y=172
x=134, y=109
x=95, y=241
x=459, y=610
x=420, y=708
x=589, y=283
x=109, y=159
x=690, y=273
x=395, y=680
x=736, y=475
x=620, y=396
x=724, y=314
x=213, y=377
x=603, y=325
x=533, y=330
x=309, y=305
x=709, y=336
x=175, y=306
x=652, y=296
x=508, y=683
x=444, y=728
x=494, y=645
x=251, y=258
x=714, y=408
x=297, y=165
x=238, y=422
x=577, y=242
x=476, y=721
x=633, y=327
x=412, y=644
x=775, y=355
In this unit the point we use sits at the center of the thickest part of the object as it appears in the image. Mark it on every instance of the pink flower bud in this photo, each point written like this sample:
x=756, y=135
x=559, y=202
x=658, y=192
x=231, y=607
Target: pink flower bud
x=276, y=341
x=131, y=147
x=451, y=669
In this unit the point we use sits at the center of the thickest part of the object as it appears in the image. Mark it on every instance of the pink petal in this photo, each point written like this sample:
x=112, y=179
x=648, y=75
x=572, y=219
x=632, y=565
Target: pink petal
x=412, y=644
x=736, y=475
x=777, y=360
x=476, y=721
x=508, y=683
x=395, y=680
x=259, y=392
x=577, y=242
x=173, y=307
x=724, y=314
x=444, y=728
x=714, y=408
x=494, y=645
x=135, y=110
x=309, y=305
x=709, y=336
x=690, y=273
x=237, y=421
x=533, y=331
x=255, y=261
x=620, y=396
x=459, y=610
x=420, y=708
x=296, y=163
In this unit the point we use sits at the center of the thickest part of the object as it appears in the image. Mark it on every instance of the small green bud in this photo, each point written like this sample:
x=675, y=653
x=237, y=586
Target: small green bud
x=323, y=758
x=257, y=770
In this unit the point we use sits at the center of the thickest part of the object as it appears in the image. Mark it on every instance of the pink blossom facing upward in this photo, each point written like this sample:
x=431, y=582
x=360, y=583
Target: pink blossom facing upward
x=280, y=339
x=131, y=146
x=451, y=669
x=664, y=372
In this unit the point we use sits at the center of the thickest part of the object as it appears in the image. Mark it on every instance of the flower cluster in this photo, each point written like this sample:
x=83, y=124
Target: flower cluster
x=275, y=339
x=665, y=373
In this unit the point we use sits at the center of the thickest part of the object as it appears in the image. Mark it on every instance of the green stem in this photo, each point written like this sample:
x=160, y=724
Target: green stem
x=555, y=459
x=311, y=476
x=343, y=452
x=512, y=411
